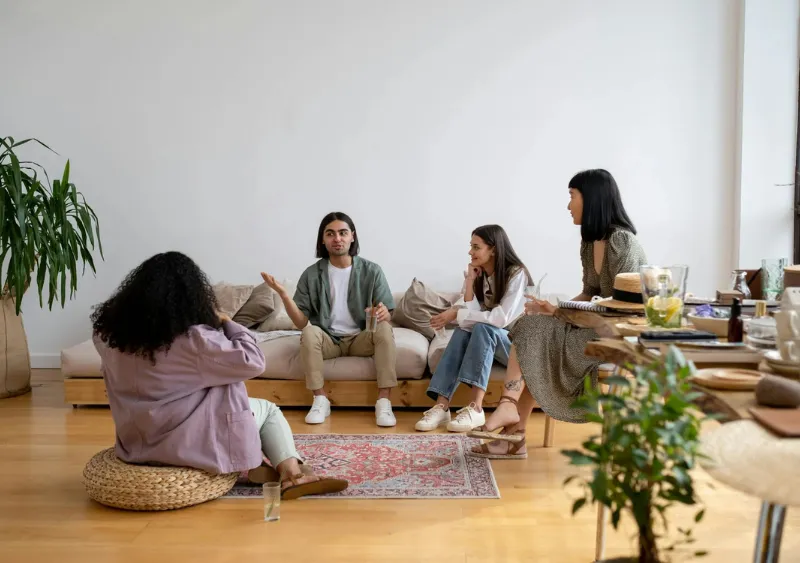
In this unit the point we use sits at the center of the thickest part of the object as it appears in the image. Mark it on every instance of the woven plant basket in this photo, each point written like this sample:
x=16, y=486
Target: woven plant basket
x=113, y=482
x=15, y=367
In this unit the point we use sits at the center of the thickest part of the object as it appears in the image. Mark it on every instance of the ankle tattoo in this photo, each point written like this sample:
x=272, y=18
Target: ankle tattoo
x=513, y=385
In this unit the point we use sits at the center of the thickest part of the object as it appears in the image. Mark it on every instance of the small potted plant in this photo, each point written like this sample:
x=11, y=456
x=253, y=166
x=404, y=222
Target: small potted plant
x=641, y=461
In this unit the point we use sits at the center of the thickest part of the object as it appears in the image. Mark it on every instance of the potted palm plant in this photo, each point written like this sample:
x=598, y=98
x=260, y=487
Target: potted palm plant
x=641, y=460
x=47, y=231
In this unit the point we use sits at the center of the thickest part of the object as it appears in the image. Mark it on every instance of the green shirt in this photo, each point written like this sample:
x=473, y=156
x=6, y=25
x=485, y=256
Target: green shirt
x=367, y=287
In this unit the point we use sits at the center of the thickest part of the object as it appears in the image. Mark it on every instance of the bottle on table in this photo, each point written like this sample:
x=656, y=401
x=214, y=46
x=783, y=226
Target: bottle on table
x=736, y=324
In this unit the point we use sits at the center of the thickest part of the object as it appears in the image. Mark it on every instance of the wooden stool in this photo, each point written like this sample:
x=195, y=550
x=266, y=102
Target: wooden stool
x=745, y=456
x=604, y=371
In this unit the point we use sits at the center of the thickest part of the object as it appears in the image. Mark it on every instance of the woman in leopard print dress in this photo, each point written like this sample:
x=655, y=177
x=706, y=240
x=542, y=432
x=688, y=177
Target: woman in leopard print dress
x=547, y=355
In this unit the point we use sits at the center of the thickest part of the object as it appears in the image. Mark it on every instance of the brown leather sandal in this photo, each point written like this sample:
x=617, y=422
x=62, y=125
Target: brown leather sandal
x=263, y=474
x=322, y=486
x=486, y=434
x=512, y=452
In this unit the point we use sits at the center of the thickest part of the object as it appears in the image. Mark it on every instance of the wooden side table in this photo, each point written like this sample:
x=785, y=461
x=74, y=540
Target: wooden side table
x=750, y=459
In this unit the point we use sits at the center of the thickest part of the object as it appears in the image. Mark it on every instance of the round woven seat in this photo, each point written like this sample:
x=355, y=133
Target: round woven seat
x=112, y=482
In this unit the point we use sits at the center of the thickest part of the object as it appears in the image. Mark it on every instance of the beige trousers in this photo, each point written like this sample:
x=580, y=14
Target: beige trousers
x=316, y=346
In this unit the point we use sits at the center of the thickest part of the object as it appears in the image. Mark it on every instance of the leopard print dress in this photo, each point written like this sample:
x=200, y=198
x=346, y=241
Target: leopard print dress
x=550, y=352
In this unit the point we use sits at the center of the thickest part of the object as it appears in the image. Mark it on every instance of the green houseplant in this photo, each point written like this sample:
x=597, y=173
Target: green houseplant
x=47, y=231
x=641, y=461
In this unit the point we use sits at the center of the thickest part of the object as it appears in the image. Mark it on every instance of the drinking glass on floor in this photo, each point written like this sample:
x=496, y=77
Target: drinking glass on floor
x=272, y=501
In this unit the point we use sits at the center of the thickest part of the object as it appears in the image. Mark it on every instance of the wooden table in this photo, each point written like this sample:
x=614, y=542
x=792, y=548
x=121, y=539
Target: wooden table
x=731, y=459
x=730, y=405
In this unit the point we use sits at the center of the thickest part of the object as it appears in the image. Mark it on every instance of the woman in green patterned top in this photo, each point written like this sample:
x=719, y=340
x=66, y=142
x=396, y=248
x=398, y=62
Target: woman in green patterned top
x=547, y=355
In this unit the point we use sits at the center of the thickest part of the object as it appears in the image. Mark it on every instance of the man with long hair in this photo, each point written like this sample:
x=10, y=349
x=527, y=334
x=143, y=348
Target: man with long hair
x=333, y=300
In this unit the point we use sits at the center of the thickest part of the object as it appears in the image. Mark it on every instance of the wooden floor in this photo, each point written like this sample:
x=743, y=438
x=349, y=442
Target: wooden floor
x=46, y=516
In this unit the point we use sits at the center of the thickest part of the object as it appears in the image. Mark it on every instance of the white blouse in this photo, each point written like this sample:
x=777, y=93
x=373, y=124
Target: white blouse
x=511, y=306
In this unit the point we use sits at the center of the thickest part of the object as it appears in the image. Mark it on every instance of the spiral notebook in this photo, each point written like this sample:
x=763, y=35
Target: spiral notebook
x=583, y=306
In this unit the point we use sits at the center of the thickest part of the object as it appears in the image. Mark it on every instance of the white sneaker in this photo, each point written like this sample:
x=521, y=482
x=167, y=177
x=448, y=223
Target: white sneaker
x=466, y=419
x=433, y=418
x=320, y=410
x=383, y=413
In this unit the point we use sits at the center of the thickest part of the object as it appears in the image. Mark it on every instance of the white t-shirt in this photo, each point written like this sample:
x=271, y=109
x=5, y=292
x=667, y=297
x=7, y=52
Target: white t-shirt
x=341, y=320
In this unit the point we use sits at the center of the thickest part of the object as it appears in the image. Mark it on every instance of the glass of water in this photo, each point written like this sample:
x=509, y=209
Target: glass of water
x=533, y=292
x=272, y=501
x=372, y=319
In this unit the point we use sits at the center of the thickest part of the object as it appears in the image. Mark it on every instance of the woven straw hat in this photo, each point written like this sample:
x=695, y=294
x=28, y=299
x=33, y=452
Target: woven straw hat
x=113, y=482
x=627, y=293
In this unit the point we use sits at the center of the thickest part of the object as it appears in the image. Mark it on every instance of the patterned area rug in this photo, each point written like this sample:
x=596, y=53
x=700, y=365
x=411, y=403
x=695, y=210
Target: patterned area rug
x=394, y=466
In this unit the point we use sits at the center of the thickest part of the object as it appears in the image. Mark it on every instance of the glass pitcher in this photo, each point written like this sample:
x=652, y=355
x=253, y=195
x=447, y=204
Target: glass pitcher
x=739, y=283
x=664, y=289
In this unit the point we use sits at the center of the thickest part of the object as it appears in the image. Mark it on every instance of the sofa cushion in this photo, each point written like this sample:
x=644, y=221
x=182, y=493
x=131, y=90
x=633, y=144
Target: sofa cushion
x=231, y=298
x=81, y=360
x=283, y=360
x=417, y=306
x=258, y=307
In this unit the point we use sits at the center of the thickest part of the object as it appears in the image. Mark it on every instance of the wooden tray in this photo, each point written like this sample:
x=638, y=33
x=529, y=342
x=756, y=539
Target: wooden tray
x=727, y=379
x=783, y=422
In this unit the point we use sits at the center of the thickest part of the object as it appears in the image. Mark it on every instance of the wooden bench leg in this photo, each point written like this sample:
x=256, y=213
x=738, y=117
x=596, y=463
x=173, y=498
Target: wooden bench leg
x=600, y=534
x=549, y=431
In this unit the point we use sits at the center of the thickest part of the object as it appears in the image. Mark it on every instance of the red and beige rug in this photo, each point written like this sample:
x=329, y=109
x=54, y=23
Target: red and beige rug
x=384, y=466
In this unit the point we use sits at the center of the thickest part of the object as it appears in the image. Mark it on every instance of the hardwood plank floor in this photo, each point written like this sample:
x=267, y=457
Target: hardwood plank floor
x=46, y=516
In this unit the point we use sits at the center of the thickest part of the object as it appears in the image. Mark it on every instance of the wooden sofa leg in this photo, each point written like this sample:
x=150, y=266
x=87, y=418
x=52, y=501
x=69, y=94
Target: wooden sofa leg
x=549, y=431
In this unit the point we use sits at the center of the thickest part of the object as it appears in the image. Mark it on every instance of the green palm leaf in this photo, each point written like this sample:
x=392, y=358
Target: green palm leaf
x=45, y=231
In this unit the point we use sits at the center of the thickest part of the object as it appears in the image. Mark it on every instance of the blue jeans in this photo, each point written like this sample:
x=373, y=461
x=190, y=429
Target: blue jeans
x=468, y=359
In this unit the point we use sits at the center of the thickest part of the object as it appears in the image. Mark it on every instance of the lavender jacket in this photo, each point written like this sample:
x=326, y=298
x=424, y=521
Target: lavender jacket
x=190, y=408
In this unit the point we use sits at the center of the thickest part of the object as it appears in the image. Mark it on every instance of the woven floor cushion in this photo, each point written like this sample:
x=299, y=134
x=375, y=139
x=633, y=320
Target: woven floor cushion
x=112, y=482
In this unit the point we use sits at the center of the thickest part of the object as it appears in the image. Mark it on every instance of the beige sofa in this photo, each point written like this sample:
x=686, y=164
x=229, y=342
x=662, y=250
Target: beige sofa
x=349, y=381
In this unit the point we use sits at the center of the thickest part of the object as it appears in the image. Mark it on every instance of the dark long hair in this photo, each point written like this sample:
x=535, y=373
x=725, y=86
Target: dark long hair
x=603, y=211
x=506, y=261
x=156, y=303
x=322, y=252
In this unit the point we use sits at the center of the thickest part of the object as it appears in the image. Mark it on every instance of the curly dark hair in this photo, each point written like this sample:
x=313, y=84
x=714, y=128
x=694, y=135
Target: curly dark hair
x=156, y=303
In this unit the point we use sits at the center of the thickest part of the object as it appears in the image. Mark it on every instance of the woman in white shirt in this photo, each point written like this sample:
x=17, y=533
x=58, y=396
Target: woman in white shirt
x=493, y=299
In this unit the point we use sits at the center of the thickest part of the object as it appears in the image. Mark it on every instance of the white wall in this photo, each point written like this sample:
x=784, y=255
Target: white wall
x=226, y=130
x=768, y=130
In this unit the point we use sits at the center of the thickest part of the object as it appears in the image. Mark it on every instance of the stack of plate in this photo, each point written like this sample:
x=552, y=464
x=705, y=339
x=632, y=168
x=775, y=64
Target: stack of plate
x=761, y=343
x=786, y=368
x=762, y=333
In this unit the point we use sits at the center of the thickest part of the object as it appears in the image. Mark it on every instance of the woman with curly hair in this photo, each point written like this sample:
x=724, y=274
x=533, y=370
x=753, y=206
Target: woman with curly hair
x=174, y=370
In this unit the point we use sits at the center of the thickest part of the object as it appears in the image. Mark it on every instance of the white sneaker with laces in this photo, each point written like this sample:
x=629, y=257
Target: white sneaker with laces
x=433, y=418
x=320, y=410
x=383, y=413
x=466, y=419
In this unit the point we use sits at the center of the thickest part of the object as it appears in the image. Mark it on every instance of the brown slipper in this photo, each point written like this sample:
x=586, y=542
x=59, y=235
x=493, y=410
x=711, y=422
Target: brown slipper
x=263, y=474
x=513, y=451
x=500, y=432
x=322, y=486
